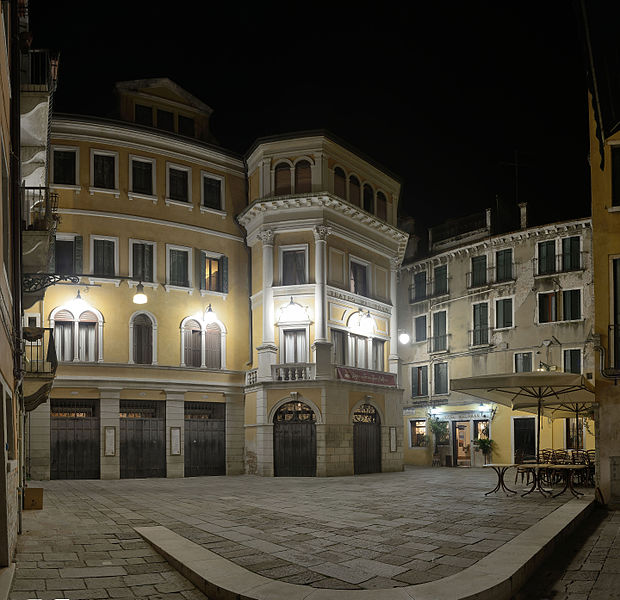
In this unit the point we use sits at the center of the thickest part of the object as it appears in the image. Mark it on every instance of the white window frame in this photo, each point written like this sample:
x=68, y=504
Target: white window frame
x=135, y=195
x=169, y=201
x=487, y=269
x=428, y=381
x=190, y=269
x=561, y=243
x=293, y=327
x=514, y=361
x=75, y=332
x=207, y=209
x=91, y=260
x=292, y=247
x=512, y=298
x=410, y=421
x=581, y=315
x=435, y=392
x=426, y=329
x=557, y=308
x=367, y=265
x=66, y=186
x=205, y=292
x=580, y=350
x=92, y=189
x=432, y=330
x=133, y=282
x=558, y=249
x=473, y=325
x=154, y=331
x=493, y=267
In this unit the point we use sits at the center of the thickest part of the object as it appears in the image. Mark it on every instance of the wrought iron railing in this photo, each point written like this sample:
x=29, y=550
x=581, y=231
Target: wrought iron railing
x=39, y=68
x=40, y=351
x=438, y=343
x=431, y=289
x=479, y=336
x=503, y=274
x=560, y=263
x=293, y=372
x=479, y=278
x=40, y=208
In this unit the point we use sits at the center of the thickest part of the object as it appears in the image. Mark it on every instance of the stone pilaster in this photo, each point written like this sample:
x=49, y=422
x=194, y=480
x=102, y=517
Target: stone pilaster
x=235, y=441
x=175, y=417
x=110, y=417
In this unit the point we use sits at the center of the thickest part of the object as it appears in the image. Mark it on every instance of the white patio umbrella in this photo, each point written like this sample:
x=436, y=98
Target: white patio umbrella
x=551, y=392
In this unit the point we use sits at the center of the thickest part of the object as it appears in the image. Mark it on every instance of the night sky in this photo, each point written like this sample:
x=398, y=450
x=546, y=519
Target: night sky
x=443, y=94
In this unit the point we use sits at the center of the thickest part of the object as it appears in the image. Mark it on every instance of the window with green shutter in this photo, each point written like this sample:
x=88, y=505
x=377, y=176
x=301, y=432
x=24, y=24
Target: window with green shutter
x=571, y=300
x=213, y=272
x=546, y=257
x=503, y=260
x=419, y=381
x=503, y=313
x=103, y=258
x=441, y=377
x=571, y=253
x=142, y=261
x=179, y=267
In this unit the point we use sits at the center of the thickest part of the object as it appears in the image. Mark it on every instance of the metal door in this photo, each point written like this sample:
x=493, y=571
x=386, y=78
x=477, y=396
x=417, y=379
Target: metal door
x=74, y=439
x=143, y=439
x=205, y=438
x=294, y=441
x=525, y=437
x=366, y=440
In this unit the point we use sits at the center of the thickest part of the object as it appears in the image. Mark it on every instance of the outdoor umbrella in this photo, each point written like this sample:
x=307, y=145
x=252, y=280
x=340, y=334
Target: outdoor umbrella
x=547, y=391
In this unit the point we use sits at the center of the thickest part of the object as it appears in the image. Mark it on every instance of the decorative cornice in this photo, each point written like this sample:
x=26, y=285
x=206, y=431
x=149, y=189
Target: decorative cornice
x=321, y=232
x=359, y=300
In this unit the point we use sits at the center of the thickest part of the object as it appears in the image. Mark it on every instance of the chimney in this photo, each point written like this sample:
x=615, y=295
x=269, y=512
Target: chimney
x=488, y=218
x=523, y=213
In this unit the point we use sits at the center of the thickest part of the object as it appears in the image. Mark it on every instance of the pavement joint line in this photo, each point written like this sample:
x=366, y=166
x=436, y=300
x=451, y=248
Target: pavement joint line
x=497, y=576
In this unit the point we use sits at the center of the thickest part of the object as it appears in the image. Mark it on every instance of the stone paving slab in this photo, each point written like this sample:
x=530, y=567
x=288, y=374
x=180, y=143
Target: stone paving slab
x=345, y=532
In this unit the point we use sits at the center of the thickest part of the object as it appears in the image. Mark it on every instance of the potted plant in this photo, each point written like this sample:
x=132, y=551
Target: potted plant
x=485, y=445
x=439, y=429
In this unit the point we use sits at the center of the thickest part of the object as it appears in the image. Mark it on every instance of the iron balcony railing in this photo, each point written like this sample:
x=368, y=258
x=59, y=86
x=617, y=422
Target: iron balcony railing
x=40, y=208
x=438, y=343
x=561, y=263
x=480, y=277
x=505, y=273
x=40, y=351
x=614, y=346
x=38, y=69
x=479, y=336
x=431, y=289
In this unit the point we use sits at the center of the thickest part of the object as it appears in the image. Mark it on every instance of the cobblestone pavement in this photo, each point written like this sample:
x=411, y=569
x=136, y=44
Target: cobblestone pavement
x=586, y=568
x=370, y=531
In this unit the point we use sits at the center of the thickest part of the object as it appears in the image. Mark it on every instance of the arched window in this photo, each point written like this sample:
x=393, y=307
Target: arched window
x=87, y=337
x=303, y=177
x=63, y=335
x=77, y=339
x=192, y=346
x=340, y=183
x=282, y=179
x=381, y=206
x=369, y=199
x=142, y=340
x=213, y=347
x=354, y=190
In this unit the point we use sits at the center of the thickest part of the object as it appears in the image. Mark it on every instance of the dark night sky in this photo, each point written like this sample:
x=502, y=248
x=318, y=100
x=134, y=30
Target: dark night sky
x=440, y=93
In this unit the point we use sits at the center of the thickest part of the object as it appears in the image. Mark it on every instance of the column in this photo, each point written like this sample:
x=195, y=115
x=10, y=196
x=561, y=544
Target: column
x=175, y=441
x=235, y=434
x=267, y=350
x=110, y=433
x=394, y=359
x=322, y=348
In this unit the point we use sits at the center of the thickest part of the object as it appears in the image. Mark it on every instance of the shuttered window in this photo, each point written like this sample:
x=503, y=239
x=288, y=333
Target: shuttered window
x=481, y=324
x=547, y=307
x=420, y=328
x=571, y=255
x=303, y=177
x=354, y=191
x=503, y=260
x=212, y=192
x=213, y=347
x=419, y=286
x=340, y=183
x=546, y=257
x=178, y=184
x=339, y=340
x=104, y=171
x=179, y=269
x=440, y=280
x=142, y=340
x=369, y=199
x=283, y=179
x=571, y=301
x=103, y=258
x=142, y=261
x=503, y=313
x=192, y=343
x=478, y=270
x=213, y=272
x=441, y=377
x=142, y=177
x=419, y=381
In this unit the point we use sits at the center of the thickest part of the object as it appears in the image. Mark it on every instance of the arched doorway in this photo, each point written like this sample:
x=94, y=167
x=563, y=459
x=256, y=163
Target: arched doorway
x=294, y=441
x=366, y=440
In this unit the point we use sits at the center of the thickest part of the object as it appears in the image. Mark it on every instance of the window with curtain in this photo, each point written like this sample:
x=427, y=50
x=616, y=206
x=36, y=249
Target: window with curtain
x=369, y=199
x=503, y=265
x=523, y=362
x=419, y=381
x=142, y=177
x=282, y=177
x=63, y=335
x=339, y=340
x=142, y=261
x=142, y=340
x=293, y=267
x=340, y=183
x=294, y=346
x=303, y=177
x=547, y=307
x=103, y=258
x=104, y=171
x=359, y=283
x=420, y=328
x=441, y=377
x=178, y=184
x=546, y=257
x=179, y=269
x=503, y=313
x=572, y=361
x=355, y=195
x=381, y=206
x=213, y=347
x=358, y=351
x=87, y=337
x=378, y=355
x=192, y=344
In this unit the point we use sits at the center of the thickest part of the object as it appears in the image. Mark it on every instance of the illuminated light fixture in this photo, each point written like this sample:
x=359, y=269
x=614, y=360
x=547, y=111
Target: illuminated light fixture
x=210, y=316
x=293, y=312
x=366, y=322
x=78, y=305
x=404, y=338
x=543, y=366
x=140, y=297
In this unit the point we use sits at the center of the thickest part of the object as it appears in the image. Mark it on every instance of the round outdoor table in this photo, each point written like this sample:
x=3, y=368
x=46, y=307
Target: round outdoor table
x=567, y=474
x=500, y=469
x=535, y=468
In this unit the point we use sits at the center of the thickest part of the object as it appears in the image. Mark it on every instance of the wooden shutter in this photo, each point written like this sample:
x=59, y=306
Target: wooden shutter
x=78, y=254
x=213, y=347
x=224, y=273
x=202, y=266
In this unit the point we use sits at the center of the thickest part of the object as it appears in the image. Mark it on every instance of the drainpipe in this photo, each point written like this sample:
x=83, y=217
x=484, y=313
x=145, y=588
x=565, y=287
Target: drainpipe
x=605, y=373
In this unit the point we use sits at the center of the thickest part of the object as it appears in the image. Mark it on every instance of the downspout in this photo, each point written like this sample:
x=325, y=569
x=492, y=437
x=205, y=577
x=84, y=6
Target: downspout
x=16, y=225
x=605, y=373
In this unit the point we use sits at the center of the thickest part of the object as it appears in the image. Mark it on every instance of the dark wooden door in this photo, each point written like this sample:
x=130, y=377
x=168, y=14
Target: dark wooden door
x=366, y=440
x=294, y=441
x=143, y=439
x=205, y=439
x=74, y=439
x=525, y=437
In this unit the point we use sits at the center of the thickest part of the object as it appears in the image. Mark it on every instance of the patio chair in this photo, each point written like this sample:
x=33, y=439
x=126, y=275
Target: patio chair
x=525, y=473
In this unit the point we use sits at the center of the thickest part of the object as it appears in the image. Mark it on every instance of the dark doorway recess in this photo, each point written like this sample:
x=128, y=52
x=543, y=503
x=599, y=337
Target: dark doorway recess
x=294, y=441
x=524, y=437
x=205, y=439
x=366, y=440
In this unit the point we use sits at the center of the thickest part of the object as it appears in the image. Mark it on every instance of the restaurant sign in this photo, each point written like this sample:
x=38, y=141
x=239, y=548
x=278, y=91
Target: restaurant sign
x=364, y=376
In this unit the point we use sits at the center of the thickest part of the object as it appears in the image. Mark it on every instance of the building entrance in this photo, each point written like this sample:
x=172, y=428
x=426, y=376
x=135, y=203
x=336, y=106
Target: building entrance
x=366, y=440
x=205, y=438
x=461, y=440
x=294, y=441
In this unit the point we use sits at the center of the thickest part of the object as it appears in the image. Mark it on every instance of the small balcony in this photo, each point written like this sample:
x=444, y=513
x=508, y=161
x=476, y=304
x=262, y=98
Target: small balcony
x=438, y=343
x=40, y=364
x=479, y=336
x=293, y=372
x=431, y=289
x=40, y=209
x=504, y=274
x=479, y=278
x=39, y=71
x=562, y=263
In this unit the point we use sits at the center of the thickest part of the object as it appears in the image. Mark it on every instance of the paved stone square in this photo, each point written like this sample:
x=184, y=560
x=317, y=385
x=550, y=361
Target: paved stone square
x=372, y=531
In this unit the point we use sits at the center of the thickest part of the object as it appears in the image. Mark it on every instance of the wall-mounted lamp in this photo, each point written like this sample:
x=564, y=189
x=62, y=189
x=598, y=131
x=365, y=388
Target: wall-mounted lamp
x=210, y=316
x=403, y=337
x=140, y=297
x=542, y=366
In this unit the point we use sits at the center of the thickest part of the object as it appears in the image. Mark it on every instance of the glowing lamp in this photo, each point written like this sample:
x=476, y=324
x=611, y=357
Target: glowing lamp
x=210, y=316
x=140, y=297
x=293, y=312
x=404, y=338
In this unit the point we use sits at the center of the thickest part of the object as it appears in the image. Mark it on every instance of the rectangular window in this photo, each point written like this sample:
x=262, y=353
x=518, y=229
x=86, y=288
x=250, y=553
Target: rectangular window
x=615, y=176
x=142, y=261
x=420, y=328
x=523, y=362
x=574, y=433
x=478, y=271
x=87, y=346
x=339, y=340
x=186, y=126
x=359, y=278
x=419, y=286
x=142, y=177
x=419, y=381
x=213, y=274
x=571, y=255
x=143, y=115
x=358, y=351
x=179, y=267
x=503, y=260
x=481, y=324
x=104, y=171
x=503, y=313
x=571, y=301
x=212, y=193
x=440, y=373
x=104, y=258
x=165, y=120
x=440, y=338
x=178, y=184
x=440, y=280
x=294, y=345
x=378, y=354
x=572, y=361
x=294, y=267
x=418, y=433
x=65, y=263
x=547, y=307
x=546, y=257
x=65, y=167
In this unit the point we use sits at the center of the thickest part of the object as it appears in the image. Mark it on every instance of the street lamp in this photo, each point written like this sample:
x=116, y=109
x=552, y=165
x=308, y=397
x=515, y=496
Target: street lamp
x=210, y=316
x=140, y=297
